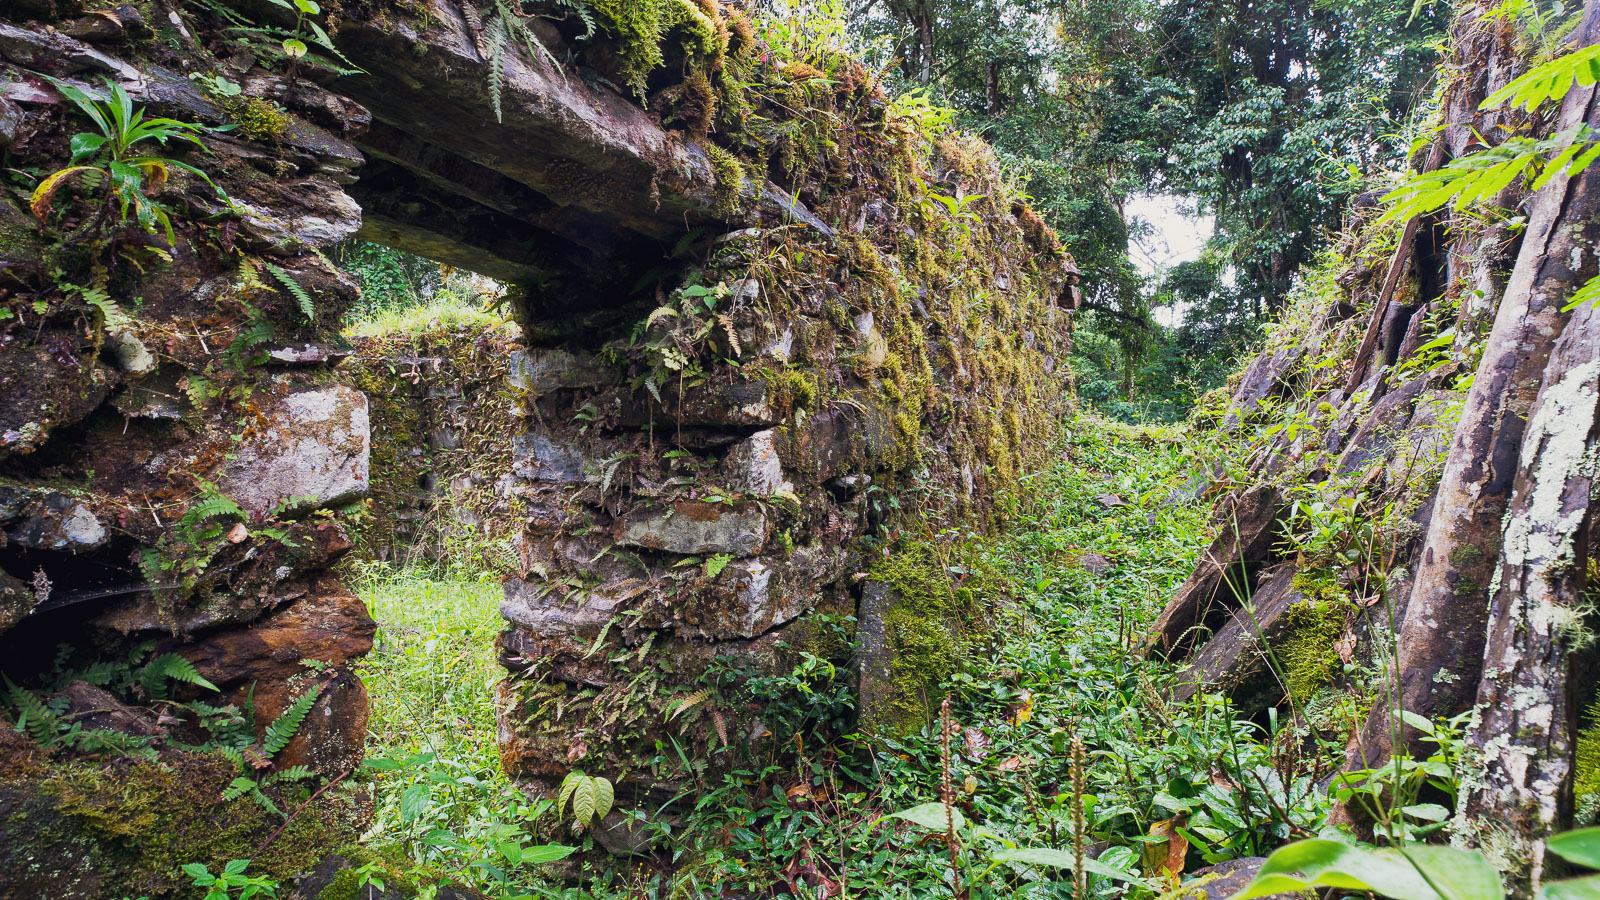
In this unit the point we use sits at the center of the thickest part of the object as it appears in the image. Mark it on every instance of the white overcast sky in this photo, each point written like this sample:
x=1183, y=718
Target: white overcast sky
x=1177, y=235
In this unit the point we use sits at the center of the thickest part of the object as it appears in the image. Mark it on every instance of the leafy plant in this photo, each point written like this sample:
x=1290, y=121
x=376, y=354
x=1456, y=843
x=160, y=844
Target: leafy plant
x=112, y=157
x=231, y=882
x=982, y=851
x=591, y=798
x=1391, y=794
x=1414, y=872
x=277, y=735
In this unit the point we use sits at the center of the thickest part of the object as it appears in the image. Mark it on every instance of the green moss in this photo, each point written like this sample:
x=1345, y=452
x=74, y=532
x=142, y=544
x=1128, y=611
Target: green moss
x=730, y=178
x=926, y=630
x=133, y=823
x=1586, y=769
x=1306, y=651
x=791, y=389
x=640, y=27
x=258, y=119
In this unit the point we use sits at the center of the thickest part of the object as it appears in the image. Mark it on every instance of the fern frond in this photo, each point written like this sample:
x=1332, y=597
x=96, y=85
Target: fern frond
x=688, y=702
x=296, y=773
x=173, y=666
x=32, y=715
x=283, y=728
x=234, y=756
x=497, y=40
x=308, y=307
x=238, y=788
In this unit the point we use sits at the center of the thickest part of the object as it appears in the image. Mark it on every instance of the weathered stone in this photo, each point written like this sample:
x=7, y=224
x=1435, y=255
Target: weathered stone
x=874, y=658
x=695, y=527
x=43, y=387
x=329, y=624
x=623, y=835
x=311, y=452
x=16, y=601
x=1227, y=878
x=96, y=708
x=1381, y=427
x=753, y=466
x=130, y=353
x=58, y=522
x=308, y=354
x=540, y=608
x=748, y=597
x=538, y=457
x=1094, y=563
x=546, y=370
x=1235, y=651
x=1245, y=534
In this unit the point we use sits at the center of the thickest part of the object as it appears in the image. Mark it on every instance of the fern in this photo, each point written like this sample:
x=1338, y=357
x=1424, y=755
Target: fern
x=33, y=716
x=716, y=564
x=214, y=505
x=1589, y=293
x=496, y=40
x=238, y=788
x=233, y=755
x=283, y=728
x=112, y=318
x=239, y=352
x=1550, y=81
x=307, y=305
x=689, y=702
x=295, y=773
x=173, y=666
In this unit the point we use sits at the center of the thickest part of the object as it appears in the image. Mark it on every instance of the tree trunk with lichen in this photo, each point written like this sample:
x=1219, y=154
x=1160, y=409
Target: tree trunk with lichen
x=1525, y=725
x=1439, y=648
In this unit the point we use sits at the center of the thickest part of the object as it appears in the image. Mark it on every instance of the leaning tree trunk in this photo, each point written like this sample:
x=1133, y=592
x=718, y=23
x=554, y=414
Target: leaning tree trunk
x=1439, y=649
x=1523, y=734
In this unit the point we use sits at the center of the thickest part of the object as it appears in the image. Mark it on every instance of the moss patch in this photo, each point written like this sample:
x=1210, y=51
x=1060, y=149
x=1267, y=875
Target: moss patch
x=1306, y=650
x=927, y=628
x=131, y=823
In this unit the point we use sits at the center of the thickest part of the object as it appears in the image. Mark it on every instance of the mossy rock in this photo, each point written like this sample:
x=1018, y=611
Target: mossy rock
x=94, y=829
x=916, y=625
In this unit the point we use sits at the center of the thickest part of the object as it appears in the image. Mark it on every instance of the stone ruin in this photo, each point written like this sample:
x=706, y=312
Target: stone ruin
x=862, y=343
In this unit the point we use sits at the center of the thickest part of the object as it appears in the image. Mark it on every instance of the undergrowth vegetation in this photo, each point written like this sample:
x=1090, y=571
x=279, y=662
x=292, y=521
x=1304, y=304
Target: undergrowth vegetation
x=1056, y=705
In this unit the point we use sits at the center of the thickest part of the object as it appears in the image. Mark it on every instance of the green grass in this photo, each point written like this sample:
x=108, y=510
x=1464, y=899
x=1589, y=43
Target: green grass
x=444, y=312
x=432, y=670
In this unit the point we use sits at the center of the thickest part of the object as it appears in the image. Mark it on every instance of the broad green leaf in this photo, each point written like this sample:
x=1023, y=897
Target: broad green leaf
x=604, y=797
x=1427, y=812
x=1581, y=847
x=583, y=801
x=1061, y=859
x=930, y=816
x=1456, y=874
x=1572, y=889
x=1326, y=863
x=546, y=853
x=234, y=867
x=294, y=48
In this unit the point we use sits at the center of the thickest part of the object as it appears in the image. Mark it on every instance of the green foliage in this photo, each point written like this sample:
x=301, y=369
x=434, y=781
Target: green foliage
x=231, y=882
x=284, y=727
x=591, y=798
x=1415, y=872
x=1392, y=794
x=301, y=296
x=110, y=157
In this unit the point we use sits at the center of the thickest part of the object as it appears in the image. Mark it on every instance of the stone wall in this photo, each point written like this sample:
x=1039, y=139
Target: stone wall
x=778, y=332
